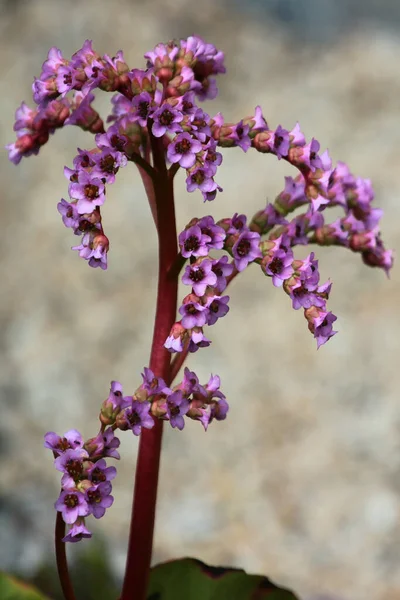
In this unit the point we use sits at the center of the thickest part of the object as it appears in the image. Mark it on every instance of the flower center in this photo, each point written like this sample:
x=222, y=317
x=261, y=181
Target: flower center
x=84, y=225
x=243, y=248
x=143, y=109
x=276, y=265
x=198, y=177
x=94, y=496
x=91, y=191
x=191, y=309
x=107, y=164
x=63, y=445
x=71, y=500
x=67, y=79
x=85, y=161
x=117, y=142
x=174, y=410
x=166, y=117
x=192, y=243
x=183, y=146
x=214, y=306
x=74, y=467
x=186, y=105
x=197, y=275
x=97, y=475
x=134, y=418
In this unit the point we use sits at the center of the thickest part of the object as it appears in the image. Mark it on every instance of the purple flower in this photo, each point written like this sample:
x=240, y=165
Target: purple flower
x=84, y=160
x=159, y=52
x=222, y=269
x=202, y=179
x=183, y=149
x=320, y=324
x=166, y=118
x=77, y=532
x=217, y=308
x=66, y=79
x=246, y=249
x=216, y=233
x=198, y=339
x=258, y=122
x=93, y=248
x=310, y=156
x=69, y=213
x=193, y=242
x=293, y=194
x=279, y=142
x=296, y=136
x=174, y=342
x=190, y=383
x=107, y=164
x=99, y=472
x=186, y=104
x=98, y=254
x=98, y=499
x=88, y=191
x=71, y=464
x=211, y=157
x=43, y=91
x=24, y=146
x=113, y=404
x=237, y=223
x=111, y=443
x=143, y=104
x=193, y=313
x=177, y=406
x=83, y=114
x=199, y=276
x=71, y=504
x=137, y=416
x=379, y=257
x=219, y=410
x=24, y=117
x=309, y=272
x=54, y=61
x=199, y=125
x=304, y=298
x=240, y=133
x=152, y=384
x=278, y=263
x=71, y=440
x=210, y=196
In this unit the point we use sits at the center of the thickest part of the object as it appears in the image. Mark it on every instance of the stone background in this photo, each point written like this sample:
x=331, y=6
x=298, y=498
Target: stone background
x=302, y=482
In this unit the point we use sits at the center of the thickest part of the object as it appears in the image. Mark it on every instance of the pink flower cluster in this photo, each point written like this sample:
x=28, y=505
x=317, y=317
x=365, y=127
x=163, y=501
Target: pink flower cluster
x=155, y=110
x=86, y=479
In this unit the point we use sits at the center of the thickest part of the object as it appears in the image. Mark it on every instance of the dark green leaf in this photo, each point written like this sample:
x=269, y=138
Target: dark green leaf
x=15, y=589
x=191, y=579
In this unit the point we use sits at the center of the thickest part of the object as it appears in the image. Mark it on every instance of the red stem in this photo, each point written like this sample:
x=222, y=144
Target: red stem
x=61, y=559
x=148, y=461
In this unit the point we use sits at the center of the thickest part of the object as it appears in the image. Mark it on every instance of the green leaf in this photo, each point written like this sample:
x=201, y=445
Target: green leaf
x=14, y=589
x=191, y=579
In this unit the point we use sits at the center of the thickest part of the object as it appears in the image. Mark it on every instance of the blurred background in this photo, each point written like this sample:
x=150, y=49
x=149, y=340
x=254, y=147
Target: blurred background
x=302, y=482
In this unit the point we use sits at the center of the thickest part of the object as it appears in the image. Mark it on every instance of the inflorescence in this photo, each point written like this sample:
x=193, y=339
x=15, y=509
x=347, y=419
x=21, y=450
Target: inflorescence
x=86, y=480
x=161, y=101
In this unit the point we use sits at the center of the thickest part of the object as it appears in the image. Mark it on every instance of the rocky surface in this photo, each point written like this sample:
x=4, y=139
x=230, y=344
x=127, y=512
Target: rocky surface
x=302, y=482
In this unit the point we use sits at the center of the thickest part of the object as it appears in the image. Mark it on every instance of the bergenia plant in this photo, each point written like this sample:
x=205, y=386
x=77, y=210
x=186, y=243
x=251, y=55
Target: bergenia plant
x=157, y=122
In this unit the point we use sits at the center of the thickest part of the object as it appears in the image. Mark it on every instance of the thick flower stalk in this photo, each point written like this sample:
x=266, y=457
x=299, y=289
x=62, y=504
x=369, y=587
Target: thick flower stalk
x=156, y=122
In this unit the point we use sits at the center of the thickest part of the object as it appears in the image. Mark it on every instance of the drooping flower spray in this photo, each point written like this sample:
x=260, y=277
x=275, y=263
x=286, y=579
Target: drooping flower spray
x=156, y=122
